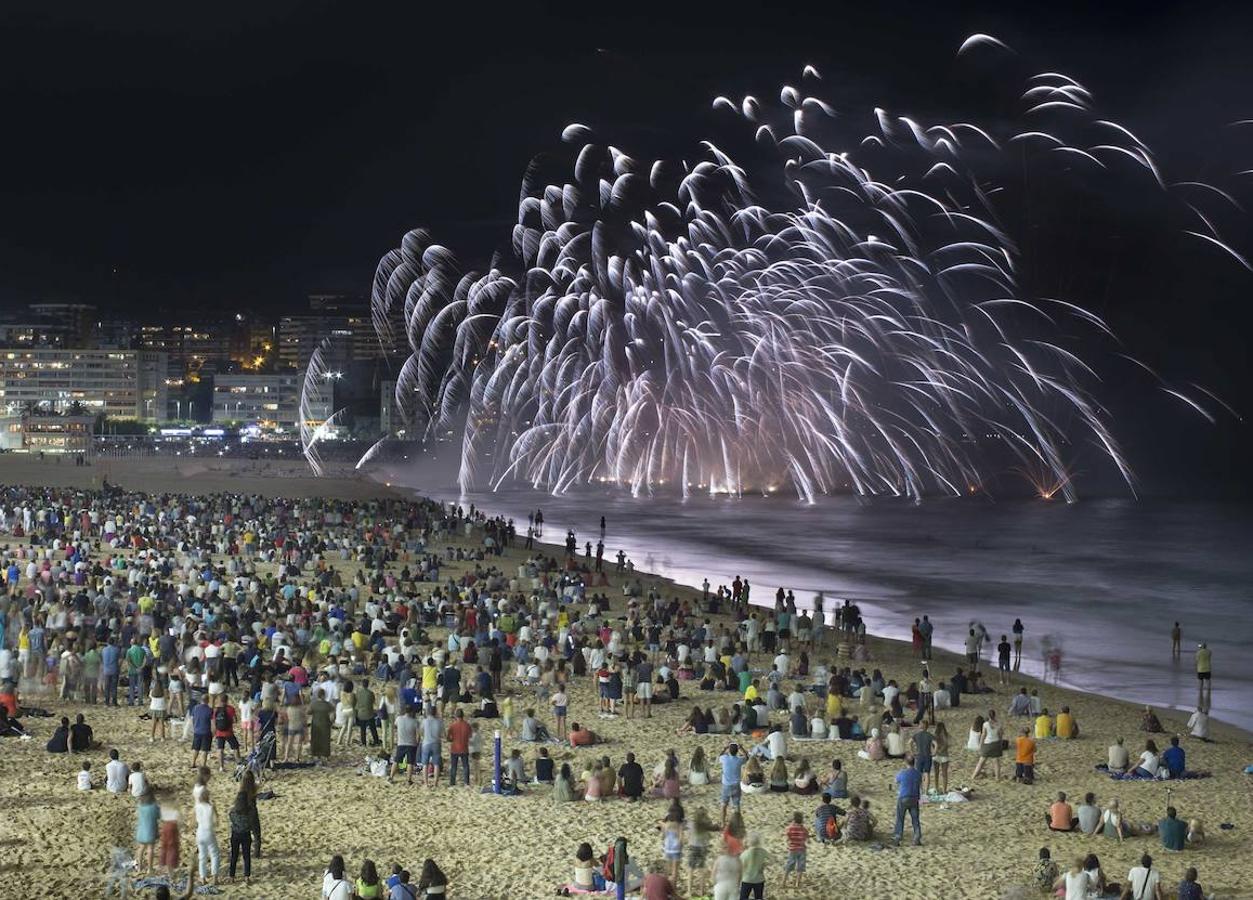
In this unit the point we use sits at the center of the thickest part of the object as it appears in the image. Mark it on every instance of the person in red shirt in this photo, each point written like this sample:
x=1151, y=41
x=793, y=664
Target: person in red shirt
x=224, y=730
x=459, y=733
x=657, y=886
x=581, y=737
x=797, y=836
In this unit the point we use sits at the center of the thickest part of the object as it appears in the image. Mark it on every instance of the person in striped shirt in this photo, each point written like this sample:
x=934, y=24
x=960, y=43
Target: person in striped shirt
x=797, y=836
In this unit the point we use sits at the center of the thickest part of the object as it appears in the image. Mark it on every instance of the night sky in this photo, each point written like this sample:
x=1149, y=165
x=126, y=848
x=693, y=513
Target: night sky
x=164, y=156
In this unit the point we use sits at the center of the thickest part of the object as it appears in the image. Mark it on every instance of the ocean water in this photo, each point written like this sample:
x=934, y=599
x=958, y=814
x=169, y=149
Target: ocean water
x=1104, y=579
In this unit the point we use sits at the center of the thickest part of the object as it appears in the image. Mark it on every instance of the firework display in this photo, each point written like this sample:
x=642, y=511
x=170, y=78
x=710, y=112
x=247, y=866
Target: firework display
x=845, y=313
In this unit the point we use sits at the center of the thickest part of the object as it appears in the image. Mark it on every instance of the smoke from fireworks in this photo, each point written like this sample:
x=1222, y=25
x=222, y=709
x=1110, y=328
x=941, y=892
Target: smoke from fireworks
x=846, y=317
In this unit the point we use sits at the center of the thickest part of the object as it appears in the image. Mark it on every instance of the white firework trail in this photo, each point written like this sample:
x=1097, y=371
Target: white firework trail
x=848, y=320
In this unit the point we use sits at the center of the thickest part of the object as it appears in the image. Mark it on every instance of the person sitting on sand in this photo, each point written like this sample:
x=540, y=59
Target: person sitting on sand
x=1172, y=830
x=1074, y=883
x=1060, y=816
x=894, y=746
x=582, y=737
x=1046, y=871
x=60, y=740
x=754, y=779
x=667, y=786
x=837, y=781
x=873, y=750
x=859, y=826
x=592, y=786
x=778, y=780
x=544, y=771
x=1021, y=704
x=1117, y=759
x=1115, y=825
x=432, y=881
x=1198, y=725
x=1043, y=725
x=1149, y=762
x=564, y=790
x=698, y=768
x=1174, y=759
x=773, y=747
x=1089, y=815
x=1149, y=721
x=1067, y=727
x=804, y=781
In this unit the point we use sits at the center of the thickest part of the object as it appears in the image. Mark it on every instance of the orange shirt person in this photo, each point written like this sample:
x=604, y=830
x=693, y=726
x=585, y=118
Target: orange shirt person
x=1024, y=758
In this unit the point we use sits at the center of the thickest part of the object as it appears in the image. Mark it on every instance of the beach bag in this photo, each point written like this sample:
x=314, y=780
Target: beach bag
x=832, y=829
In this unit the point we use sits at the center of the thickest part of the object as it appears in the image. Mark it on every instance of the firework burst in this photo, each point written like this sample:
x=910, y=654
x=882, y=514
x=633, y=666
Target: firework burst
x=846, y=316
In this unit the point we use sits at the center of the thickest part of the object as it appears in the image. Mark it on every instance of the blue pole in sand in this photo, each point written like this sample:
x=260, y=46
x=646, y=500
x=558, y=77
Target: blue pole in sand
x=496, y=786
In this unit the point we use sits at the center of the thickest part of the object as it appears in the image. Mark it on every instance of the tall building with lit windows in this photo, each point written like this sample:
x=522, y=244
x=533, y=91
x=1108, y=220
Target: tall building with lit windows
x=268, y=400
x=121, y=384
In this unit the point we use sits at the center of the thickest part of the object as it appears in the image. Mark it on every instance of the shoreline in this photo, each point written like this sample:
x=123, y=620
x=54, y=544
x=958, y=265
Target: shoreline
x=949, y=651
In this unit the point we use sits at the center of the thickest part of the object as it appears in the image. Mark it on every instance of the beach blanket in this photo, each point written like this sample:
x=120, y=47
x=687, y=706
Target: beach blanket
x=1135, y=776
x=950, y=797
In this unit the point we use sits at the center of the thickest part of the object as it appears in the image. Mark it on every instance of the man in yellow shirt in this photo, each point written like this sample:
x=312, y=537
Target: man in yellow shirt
x=1067, y=728
x=750, y=693
x=1204, y=677
x=1043, y=725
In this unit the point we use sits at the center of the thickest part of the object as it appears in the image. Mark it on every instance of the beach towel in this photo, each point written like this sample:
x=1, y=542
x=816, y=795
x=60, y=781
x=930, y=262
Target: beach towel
x=1135, y=776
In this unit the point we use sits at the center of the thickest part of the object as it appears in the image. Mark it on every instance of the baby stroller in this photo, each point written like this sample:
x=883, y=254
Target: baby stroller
x=258, y=758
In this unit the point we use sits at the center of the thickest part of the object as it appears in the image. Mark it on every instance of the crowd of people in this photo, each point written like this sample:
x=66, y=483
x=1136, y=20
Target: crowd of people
x=270, y=633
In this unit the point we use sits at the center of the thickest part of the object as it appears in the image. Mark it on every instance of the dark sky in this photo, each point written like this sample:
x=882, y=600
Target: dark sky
x=206, y=156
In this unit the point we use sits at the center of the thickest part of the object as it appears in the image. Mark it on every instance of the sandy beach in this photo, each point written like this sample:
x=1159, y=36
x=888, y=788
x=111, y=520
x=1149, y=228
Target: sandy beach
x=56, y=840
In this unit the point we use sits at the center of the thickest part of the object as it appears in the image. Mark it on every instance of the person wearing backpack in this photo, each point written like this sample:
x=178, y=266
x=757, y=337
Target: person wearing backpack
x=826, y=826
x=224, y=730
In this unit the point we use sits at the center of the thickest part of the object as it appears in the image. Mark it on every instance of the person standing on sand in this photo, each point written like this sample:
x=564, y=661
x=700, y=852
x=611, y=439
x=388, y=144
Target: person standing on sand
x=909, y=786
x=1204, y=676
x=321, y=714
x=1003, y=660
x=1176, y=642
x=927, y=631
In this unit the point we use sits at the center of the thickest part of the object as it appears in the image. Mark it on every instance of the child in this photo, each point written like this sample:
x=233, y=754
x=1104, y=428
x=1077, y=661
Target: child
x=559, y=702
x=84, y=777
x=699, y=831
x=138, y=781
x=796, y=835
x=515, y=769
x=169, y=840
x=247, y=720
x=672, y=841
x=506, y=715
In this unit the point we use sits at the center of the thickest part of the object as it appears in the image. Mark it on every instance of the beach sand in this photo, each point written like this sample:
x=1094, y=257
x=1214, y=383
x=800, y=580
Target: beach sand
x=55, y=841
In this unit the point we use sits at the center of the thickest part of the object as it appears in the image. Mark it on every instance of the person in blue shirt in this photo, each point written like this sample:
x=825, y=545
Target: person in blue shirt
x=908, y=791
x=1173, y=758
x=1173, y=831
x=202, y=731
x=110, y=657
x=732, y=762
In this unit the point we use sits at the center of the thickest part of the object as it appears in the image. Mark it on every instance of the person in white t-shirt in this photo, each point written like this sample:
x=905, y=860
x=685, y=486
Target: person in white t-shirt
x=1144, y=881
x=137, y=781
x=115, y=774
x=783, y=663
x=1075, y=881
